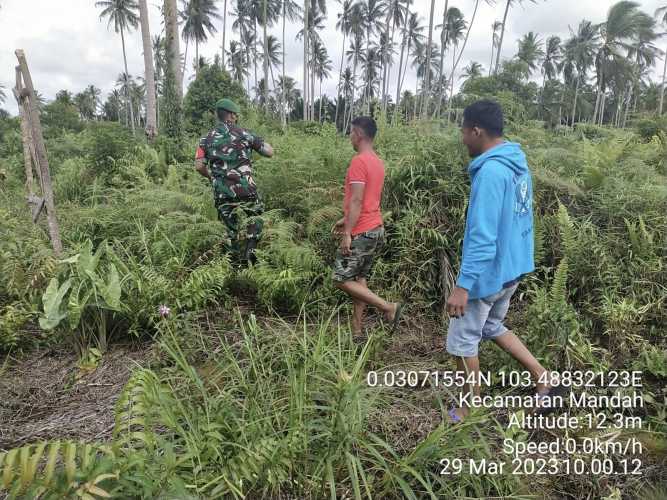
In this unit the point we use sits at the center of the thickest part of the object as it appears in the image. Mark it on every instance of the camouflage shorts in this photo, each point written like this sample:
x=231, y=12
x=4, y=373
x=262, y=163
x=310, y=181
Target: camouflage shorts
x=360, y=262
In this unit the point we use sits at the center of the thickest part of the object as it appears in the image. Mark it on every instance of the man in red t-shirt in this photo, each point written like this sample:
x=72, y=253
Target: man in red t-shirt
x=361, y=228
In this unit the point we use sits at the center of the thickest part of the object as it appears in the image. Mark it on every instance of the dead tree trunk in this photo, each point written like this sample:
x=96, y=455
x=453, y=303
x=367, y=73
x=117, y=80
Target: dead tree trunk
x=26, y=94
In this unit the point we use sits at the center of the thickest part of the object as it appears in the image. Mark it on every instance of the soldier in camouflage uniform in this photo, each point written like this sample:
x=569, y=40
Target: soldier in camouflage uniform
x=227, y=152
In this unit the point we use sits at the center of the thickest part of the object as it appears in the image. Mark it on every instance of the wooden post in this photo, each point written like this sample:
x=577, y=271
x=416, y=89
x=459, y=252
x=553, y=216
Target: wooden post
x=27, y=91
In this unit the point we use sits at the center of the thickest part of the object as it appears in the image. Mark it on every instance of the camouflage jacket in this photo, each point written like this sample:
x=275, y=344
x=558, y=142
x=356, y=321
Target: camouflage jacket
x=228, y=152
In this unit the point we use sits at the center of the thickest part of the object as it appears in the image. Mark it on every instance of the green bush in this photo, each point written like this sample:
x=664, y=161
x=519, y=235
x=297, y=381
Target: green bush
x=106, y=144
x=211, y=84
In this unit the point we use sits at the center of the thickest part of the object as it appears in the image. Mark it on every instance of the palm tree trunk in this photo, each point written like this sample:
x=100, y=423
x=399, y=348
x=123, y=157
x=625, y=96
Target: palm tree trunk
x=465, y=42
x=185, y=62
x=390, y=63
x=149, y=73
x=224, y=31
x=254, y=54
x=127, y=76
x=451, y=94
x=502, y=35
x=266, y=61
x=312, y=88
x=662, y=86
x=493, y=46
x=354, y=77
x=414, y=109
x=429, y=50
x=283, y=111
x=400, y=67
x=544, y=82
x=627, y=104
x=171, y=31
x=196, y=58
x=367, y=90
x=305, y=58
x=340, y=77
x=320, y=117
x=576, y=94
x=437, y=111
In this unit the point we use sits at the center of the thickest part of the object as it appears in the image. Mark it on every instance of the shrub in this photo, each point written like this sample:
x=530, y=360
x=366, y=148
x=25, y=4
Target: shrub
x=108, y=142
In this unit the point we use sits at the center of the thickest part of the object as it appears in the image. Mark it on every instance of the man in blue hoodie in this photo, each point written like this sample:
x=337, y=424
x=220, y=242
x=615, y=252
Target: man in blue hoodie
x=497, y=247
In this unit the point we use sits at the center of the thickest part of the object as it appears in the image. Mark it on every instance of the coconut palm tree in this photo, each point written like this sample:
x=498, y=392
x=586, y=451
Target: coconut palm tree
x=624, y=22
x=502, y=31
x=160, y=59
x=113, y=105
x=149, y=72
x=290, y=10
x=551, y=63
x=645, y=55
x=172, y=46
x=465, y=43
x=412, y=37
x=315, y=25
x=287, y=86
x=372, y=12
x=123, y=14
x=579, y=55
x=274, y=49
x=661, y=15
x=396, y=14
x=266, y=12
x=198, y=22
x=429, y=48
x=343, y=24
x=530, y=52
x=124, y=83
x=371, y=67
x=443, y=45
x=451, y=34
x=346, y=87
x=456, y=26
x=472, y=70
x=237, y=62
x=354, y=54
x=495, y=40
x=321, y=66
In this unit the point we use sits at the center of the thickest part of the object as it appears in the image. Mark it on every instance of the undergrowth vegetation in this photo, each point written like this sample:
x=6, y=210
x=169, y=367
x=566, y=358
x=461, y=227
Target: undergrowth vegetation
x=275, y=402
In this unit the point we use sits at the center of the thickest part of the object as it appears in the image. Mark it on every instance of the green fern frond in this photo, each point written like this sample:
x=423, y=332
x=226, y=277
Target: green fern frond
x=56, y=470
x=134, y=412
x=324, y=216
x=558, y=292
x=567, y=232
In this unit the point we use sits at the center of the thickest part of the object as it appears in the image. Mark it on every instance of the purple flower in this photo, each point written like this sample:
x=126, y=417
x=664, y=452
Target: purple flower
x=163, y=311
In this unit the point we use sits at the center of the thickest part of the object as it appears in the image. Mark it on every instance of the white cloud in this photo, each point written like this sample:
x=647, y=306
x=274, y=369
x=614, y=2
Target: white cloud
x=67, y=46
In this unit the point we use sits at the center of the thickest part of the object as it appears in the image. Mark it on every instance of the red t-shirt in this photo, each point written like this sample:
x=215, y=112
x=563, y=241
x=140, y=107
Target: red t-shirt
x=366, y=169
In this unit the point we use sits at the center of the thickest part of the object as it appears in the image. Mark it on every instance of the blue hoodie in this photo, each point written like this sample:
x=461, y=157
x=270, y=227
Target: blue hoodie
x=498, y=241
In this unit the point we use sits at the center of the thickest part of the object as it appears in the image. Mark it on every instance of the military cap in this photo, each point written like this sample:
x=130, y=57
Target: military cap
x=228, y=105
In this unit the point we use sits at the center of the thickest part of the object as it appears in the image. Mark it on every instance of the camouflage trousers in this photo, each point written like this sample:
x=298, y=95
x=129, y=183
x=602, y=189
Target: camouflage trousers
x=235, y=213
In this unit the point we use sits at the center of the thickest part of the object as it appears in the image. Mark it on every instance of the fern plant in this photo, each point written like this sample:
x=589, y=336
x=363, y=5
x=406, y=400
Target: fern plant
x=58, y=470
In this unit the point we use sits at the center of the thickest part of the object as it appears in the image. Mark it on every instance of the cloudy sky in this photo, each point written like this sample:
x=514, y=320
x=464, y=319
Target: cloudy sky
x=68, y=47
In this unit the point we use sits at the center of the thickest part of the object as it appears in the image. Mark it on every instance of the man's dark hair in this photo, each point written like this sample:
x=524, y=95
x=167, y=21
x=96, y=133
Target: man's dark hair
x=485, y=114
x=367, y=124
